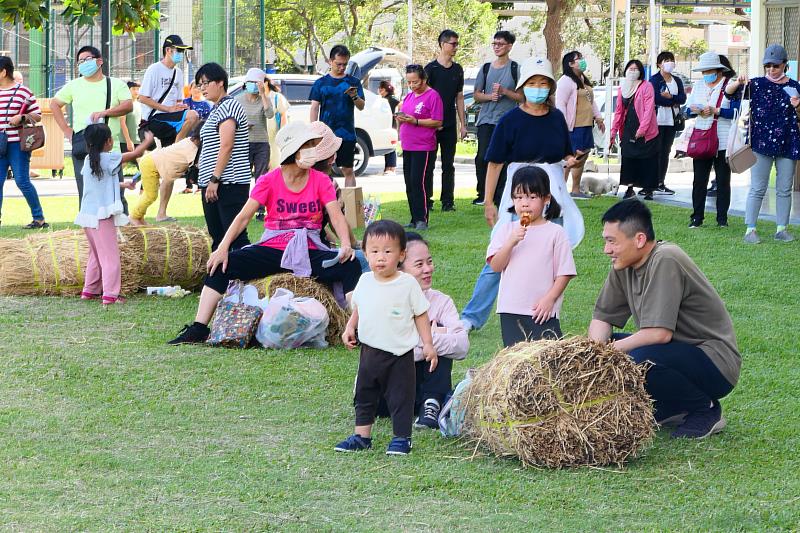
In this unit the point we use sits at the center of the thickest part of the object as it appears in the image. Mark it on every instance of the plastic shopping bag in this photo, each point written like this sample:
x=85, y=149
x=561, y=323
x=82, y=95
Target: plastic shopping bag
x=451, y=417
x=372, y=209
x=290, y=322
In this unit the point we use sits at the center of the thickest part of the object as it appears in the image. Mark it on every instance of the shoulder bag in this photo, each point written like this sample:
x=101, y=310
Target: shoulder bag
x=235, y=324
x=740, y=154
x=704, y=144
x=3, y=134
x=79, y=148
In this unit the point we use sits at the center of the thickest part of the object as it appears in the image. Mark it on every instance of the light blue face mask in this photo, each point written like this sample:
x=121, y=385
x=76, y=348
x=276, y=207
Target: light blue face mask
x=177, y=57
x=87, y=68
x=536, y=95
x=710, y=78
x=251, y=87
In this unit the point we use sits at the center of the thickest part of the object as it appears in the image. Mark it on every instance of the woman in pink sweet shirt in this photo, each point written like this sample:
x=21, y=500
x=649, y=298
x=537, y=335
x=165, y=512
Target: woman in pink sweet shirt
x=420, y=115
x=295, y=197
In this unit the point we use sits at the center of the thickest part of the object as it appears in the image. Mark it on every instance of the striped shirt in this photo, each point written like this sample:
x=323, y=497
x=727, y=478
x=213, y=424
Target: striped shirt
x=237, y=171
x=12, y=104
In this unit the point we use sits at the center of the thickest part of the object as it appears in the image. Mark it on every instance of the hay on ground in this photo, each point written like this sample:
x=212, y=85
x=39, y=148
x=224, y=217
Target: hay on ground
x=309, y=287
x=561, y=403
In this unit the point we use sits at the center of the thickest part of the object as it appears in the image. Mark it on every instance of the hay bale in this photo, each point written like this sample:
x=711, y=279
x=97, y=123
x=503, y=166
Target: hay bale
x=166, y=255
x=309, y=287
x=561, y=403
x=54, y=263
x=49, y=263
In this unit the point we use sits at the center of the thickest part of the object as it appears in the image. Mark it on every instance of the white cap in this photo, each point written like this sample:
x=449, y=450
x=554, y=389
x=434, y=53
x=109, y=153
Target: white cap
x=255, y=74
x=292, y=136
x=535, y=66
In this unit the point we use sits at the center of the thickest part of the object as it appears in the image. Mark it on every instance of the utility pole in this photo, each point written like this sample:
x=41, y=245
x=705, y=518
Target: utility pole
x=105, y=35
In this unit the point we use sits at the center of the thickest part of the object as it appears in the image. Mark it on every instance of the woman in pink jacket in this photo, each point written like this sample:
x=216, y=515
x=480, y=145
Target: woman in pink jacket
x=449, y=336
x=635, y=122
x=575, y=100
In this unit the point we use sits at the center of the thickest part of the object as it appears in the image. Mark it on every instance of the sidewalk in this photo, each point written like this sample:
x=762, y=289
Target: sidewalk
x=373, y=182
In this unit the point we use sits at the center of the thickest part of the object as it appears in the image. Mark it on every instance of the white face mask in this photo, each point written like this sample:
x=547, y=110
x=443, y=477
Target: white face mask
x=631, y=75
x=306, y=158
x=668, y=66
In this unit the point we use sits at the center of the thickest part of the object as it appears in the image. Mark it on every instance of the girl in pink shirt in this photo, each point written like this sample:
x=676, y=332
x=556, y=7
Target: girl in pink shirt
x=535, y=259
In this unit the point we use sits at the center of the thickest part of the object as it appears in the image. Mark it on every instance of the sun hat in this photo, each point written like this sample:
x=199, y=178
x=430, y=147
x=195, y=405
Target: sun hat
x=329, y=144
x=255, y=74
x=535, y=66
x=709, y=61
x=775, y=53
x=292, y=136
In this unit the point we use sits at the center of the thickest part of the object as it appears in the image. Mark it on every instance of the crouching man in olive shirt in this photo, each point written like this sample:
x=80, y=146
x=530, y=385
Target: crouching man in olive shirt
x=683, y=328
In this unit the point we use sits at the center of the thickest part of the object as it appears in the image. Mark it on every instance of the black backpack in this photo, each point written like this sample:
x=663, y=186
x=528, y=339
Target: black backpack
x=514, y=73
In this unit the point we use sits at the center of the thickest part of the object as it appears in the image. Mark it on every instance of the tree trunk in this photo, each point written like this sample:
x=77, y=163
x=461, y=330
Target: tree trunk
x=553, y=26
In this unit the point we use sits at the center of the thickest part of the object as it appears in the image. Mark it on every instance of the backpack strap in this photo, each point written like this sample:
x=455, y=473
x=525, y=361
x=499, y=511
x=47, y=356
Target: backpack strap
x=515, y=72
x=108, y=97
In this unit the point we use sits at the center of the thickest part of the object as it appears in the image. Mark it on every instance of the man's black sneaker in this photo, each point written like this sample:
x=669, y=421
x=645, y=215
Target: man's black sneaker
x=701, y=423
x=663, y=189
x=629, y=193
x=448, y=207
x=429, y=417
x=695, y=223
x=477, y=201
x=195, y=333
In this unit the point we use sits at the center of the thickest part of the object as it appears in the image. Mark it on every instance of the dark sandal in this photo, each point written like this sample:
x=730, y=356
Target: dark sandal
x=37, y=225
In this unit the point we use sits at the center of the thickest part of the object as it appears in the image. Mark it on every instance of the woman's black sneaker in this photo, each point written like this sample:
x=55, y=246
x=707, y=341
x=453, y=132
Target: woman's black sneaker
x=701, y=423
x=195, y=333
x=629, y=193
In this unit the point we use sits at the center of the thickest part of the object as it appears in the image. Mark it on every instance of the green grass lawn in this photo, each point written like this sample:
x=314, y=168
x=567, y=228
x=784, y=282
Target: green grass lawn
x=105, y=427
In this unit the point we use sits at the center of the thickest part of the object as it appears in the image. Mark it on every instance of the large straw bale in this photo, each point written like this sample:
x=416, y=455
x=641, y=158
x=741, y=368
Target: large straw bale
x=561, y=403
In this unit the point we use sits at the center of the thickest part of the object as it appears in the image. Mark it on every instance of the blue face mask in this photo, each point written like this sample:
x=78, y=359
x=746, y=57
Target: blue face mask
x=251, y=87
x=536, y=95
x=177, y=57
x=87, y=68
x=710, y=78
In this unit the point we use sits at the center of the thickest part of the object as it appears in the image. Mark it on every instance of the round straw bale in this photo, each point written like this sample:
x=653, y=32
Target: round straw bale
x=309, y=287
x=561, y=403
x=166, y=255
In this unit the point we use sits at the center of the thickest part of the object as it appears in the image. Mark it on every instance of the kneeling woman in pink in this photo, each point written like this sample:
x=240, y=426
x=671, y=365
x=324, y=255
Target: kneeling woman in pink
x=449, y=336
x=420, y=115
x=295, y=196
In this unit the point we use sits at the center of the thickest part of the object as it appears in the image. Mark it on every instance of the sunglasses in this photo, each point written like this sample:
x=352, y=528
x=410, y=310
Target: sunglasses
x=773, y=65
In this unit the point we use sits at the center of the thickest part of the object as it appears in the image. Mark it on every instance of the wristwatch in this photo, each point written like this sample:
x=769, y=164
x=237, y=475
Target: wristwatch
x=215, y=179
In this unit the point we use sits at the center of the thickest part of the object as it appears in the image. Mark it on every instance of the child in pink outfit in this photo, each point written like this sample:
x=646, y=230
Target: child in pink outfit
x=535, y=258
x=101, y=212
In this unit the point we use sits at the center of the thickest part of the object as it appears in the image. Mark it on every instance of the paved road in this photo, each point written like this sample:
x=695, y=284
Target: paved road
x=373, y=182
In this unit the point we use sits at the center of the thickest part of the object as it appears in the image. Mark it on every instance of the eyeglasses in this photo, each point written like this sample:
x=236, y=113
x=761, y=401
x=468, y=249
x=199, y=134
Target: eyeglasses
x=453, y=43
x=773, y=65
x=499, y=44
x=203, y=84
x=87, y=58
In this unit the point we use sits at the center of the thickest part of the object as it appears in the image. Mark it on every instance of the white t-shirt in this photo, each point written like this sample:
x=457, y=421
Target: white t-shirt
x=665, y=115
x=386, y=312
x=155, y=82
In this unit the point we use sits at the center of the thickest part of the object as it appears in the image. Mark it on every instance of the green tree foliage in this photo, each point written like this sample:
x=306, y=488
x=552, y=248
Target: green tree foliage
x=471, y=19
x=129, y=16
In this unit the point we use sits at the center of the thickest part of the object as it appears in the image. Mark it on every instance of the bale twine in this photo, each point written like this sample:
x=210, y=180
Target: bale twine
x=168, y=255
x=309, y=287
x=561, y=403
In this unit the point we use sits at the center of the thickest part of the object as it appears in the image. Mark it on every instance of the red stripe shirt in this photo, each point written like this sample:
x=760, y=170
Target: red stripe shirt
x=12, y=104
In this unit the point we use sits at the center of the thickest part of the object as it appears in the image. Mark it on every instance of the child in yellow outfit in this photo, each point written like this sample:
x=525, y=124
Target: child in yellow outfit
x=165, y=164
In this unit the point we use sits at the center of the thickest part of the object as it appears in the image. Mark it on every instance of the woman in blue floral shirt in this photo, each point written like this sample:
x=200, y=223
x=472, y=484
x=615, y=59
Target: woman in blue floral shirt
x=774, y=102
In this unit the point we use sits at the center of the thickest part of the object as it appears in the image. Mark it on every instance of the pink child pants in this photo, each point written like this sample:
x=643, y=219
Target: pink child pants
x=103, y=272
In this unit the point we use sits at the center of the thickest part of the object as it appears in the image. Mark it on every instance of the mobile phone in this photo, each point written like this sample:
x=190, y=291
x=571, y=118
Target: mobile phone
x=136, y=178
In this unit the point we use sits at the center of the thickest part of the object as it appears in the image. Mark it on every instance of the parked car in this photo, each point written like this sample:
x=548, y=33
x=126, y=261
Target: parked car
x=374, y=133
